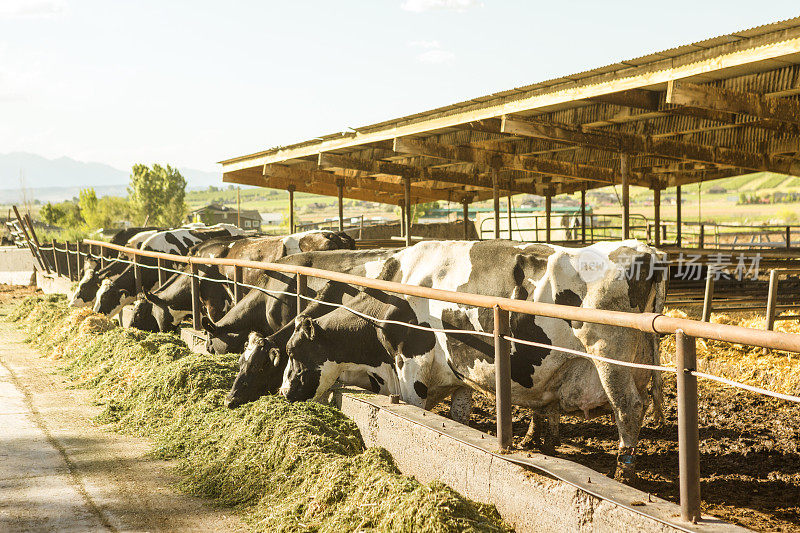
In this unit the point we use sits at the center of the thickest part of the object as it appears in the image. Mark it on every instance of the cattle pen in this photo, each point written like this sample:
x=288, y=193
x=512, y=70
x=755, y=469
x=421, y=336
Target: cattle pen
x=715, y=109
x=686, y=332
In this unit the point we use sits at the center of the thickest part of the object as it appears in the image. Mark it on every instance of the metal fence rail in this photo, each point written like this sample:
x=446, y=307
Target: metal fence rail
x=686, y=331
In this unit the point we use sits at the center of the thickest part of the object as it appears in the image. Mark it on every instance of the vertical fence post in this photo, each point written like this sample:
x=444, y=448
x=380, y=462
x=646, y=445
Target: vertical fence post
x=79, y=246
x=237, y=284
x=772, y=299
x=161, y=272
x=502, y=371
x=195, y=296
x=137, y=274
x=55, y=258
x=688, y=431
x=702, y=237
x=69, y=263
x=788, y=236
x=302, y=287
x=709, y=295
x=103, y=260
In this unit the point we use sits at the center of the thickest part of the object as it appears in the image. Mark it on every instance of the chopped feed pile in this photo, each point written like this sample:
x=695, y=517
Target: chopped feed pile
x=288, y=466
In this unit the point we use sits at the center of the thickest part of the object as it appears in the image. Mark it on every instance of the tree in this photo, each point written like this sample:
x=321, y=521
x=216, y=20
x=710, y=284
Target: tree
x=87, y=200
x=50, y=214
x=157, y=195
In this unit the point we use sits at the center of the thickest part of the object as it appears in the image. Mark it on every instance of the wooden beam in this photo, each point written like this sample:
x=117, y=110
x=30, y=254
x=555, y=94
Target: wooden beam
x=373, y=166
x=643, y=144
x=256, y=178
x=651, y=101
x=495, y=160
x=422, y=173
x=730, y=101
x=317, y=176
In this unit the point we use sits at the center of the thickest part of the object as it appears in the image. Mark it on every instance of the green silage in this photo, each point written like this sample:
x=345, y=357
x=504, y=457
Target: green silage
x=288, y=466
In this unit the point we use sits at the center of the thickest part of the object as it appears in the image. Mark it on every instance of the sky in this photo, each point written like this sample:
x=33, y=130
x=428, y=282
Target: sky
x=192, y=82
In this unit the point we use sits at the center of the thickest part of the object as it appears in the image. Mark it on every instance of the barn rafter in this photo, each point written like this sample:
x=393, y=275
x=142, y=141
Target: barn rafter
x=718, y=108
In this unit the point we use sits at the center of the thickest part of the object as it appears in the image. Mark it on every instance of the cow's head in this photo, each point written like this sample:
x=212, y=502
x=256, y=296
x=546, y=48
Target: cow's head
x=87, y=288
x=319, y=240
x=310, y=368
x=111, y=298
x=220, y=341
x=150, y=313
x=260, y=371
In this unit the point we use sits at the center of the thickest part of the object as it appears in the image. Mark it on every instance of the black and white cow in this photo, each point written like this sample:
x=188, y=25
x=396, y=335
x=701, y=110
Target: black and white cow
x=118, y=291
x=263, y=361
x=429, y=366
x=266, y=312
x=164, y=308
x=93, y=273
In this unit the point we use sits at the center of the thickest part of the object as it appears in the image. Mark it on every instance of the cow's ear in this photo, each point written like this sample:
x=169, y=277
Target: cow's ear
x=305, y=326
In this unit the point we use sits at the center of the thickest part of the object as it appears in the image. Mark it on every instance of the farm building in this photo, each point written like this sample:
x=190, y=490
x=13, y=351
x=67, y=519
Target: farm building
x=722, y=107
x=217, y=214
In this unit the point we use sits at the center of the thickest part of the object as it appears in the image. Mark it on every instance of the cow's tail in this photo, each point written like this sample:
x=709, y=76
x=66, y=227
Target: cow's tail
x=657, y=385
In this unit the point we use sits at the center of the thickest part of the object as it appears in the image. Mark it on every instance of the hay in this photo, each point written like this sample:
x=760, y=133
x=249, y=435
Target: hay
x=771, y=369
x=288, y=466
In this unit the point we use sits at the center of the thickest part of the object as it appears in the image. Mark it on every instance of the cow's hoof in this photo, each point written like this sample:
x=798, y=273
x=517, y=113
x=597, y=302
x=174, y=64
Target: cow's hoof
x=548, y=449
x=530, y=443
x=626, y=466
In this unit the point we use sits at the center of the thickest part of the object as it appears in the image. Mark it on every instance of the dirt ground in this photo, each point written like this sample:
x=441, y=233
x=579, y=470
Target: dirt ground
x=61, y=472
x=750, y=465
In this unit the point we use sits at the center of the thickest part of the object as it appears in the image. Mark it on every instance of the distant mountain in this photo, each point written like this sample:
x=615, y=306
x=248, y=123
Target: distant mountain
x=61, y=178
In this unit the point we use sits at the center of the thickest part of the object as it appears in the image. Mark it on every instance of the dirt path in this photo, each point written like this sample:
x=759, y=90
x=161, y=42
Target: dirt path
x=59, y=472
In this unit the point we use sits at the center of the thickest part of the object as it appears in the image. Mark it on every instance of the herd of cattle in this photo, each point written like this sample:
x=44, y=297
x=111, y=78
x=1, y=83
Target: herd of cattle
x=354, y=335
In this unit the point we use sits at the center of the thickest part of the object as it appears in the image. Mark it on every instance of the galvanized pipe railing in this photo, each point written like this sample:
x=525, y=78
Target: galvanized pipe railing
x=686, y=332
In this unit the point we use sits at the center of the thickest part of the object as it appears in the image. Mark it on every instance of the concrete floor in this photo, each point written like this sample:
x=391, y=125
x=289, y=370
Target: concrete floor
x=60, y=472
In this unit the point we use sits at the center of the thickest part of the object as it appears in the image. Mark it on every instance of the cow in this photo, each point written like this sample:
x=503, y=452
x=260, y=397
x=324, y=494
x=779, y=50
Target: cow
x=266, y=312
x=164, y=308
x=93, y=274
x=619, y=276
x=118, y=291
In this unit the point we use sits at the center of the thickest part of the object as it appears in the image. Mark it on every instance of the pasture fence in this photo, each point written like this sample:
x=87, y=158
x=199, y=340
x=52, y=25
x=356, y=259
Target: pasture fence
x=686, y=332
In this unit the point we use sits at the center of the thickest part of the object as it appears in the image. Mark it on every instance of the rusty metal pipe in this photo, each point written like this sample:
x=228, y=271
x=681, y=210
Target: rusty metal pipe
x=647, y=322
x=688, y=432
x=195, y=296
x=502, y=373
x=237, y=284
x=302, y=288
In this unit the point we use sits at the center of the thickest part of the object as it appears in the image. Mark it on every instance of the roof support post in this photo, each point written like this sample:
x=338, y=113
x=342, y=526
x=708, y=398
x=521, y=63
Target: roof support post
x=548, y=210
x=626, y=200
x=657, y=215
x=496, y=201
x=402, y=218
x=583, y=215
x=678, y=215
x=291, y=190
x=407, y=201
x=509, y=217
x=340, y=194
x=465, y=206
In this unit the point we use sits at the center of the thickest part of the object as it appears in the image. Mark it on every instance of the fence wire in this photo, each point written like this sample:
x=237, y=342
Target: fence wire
x=272, y=292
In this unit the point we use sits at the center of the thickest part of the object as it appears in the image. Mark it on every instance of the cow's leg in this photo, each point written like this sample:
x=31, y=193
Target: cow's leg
x=461, y=405
x=628, y=410
x=544, y=422
x=533, y=437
